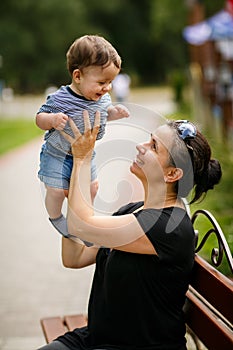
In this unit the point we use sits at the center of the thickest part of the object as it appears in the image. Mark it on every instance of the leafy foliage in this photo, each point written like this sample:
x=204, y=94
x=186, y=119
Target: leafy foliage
x=35, y=35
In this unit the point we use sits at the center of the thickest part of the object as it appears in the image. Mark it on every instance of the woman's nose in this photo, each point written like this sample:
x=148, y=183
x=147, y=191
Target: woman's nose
x=141, y=148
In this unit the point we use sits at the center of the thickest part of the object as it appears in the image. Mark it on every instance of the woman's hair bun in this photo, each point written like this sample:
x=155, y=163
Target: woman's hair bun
x=209, y=177
x=214, y=174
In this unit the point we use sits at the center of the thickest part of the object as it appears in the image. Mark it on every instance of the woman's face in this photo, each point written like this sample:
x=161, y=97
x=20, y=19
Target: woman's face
x=152, y=161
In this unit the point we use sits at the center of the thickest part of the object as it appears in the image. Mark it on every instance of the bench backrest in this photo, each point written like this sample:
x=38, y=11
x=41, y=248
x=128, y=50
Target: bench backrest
x=209, y=307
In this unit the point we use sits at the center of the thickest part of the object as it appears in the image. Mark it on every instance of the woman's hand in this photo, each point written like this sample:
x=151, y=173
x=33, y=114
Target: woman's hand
x=82, y=145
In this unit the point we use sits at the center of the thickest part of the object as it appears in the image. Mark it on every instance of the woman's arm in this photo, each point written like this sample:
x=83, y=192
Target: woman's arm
x=120, y=232
x=75, y=255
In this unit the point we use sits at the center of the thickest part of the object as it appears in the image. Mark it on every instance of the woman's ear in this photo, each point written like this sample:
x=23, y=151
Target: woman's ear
x=76, y=75
x=173, y=175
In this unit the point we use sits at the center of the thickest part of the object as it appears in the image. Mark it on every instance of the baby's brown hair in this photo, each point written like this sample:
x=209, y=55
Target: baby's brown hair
x=91, y=50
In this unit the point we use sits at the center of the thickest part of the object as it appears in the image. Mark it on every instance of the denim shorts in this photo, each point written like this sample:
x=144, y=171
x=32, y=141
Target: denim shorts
x=56, y=167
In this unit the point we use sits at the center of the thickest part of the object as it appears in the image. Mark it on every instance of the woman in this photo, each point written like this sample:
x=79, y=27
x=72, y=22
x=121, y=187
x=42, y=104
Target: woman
x=139, y=286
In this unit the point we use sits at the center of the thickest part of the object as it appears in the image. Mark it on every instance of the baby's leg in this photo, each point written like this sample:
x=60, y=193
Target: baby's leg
x=53, y=202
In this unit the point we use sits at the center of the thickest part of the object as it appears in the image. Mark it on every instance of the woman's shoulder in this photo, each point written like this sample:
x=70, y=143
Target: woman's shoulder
x=166, y=218
x=128, y=208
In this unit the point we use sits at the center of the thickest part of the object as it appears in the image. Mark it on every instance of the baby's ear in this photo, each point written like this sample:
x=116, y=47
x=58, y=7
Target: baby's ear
x=76, y=75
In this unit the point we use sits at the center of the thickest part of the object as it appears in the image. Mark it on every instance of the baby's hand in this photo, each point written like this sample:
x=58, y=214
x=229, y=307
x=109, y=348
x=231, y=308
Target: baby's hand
x=118, y=112
x=59, y=120
x=123, y=112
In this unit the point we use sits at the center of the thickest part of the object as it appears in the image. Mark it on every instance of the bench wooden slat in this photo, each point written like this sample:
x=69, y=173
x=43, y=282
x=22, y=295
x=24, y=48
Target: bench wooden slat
x=202, y=321
x=75, y=321
x=52, y=328
x=213, y=286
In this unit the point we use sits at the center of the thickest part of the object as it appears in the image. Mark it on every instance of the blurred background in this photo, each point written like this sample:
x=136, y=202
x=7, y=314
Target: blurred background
x=178, y=56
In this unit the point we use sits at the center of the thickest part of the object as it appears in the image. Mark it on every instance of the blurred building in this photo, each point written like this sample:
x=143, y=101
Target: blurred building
x=211, y=61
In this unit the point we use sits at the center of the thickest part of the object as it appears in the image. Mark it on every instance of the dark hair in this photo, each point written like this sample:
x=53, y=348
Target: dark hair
x=91, y=50
x=200, y=172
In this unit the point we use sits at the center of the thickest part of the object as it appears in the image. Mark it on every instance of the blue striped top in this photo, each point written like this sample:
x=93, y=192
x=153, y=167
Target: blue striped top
x=65, y=100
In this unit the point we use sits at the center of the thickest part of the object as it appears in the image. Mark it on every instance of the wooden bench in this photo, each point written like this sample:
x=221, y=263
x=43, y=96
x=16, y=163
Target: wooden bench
x=209, y=304
x=54, y=326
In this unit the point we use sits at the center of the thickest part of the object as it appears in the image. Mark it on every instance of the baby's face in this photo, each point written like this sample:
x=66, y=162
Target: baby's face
x=95, y=81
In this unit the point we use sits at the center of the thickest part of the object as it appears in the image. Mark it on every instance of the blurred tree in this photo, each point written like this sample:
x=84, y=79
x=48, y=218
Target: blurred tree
x=35, y=35
x=168, y=19
x=126, y=23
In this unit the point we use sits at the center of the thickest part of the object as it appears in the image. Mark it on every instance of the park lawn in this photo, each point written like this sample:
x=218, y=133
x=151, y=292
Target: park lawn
x=16, y=132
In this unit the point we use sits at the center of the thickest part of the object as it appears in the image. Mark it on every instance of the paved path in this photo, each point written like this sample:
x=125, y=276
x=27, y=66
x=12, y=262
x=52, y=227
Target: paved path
x=158, y=99
x=34, y=283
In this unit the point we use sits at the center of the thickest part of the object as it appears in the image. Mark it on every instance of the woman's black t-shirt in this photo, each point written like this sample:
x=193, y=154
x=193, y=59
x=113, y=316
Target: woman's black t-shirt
x=136, y=300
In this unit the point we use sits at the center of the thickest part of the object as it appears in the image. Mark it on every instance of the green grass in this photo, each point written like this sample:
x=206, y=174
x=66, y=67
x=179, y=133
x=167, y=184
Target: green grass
x=16, y=132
